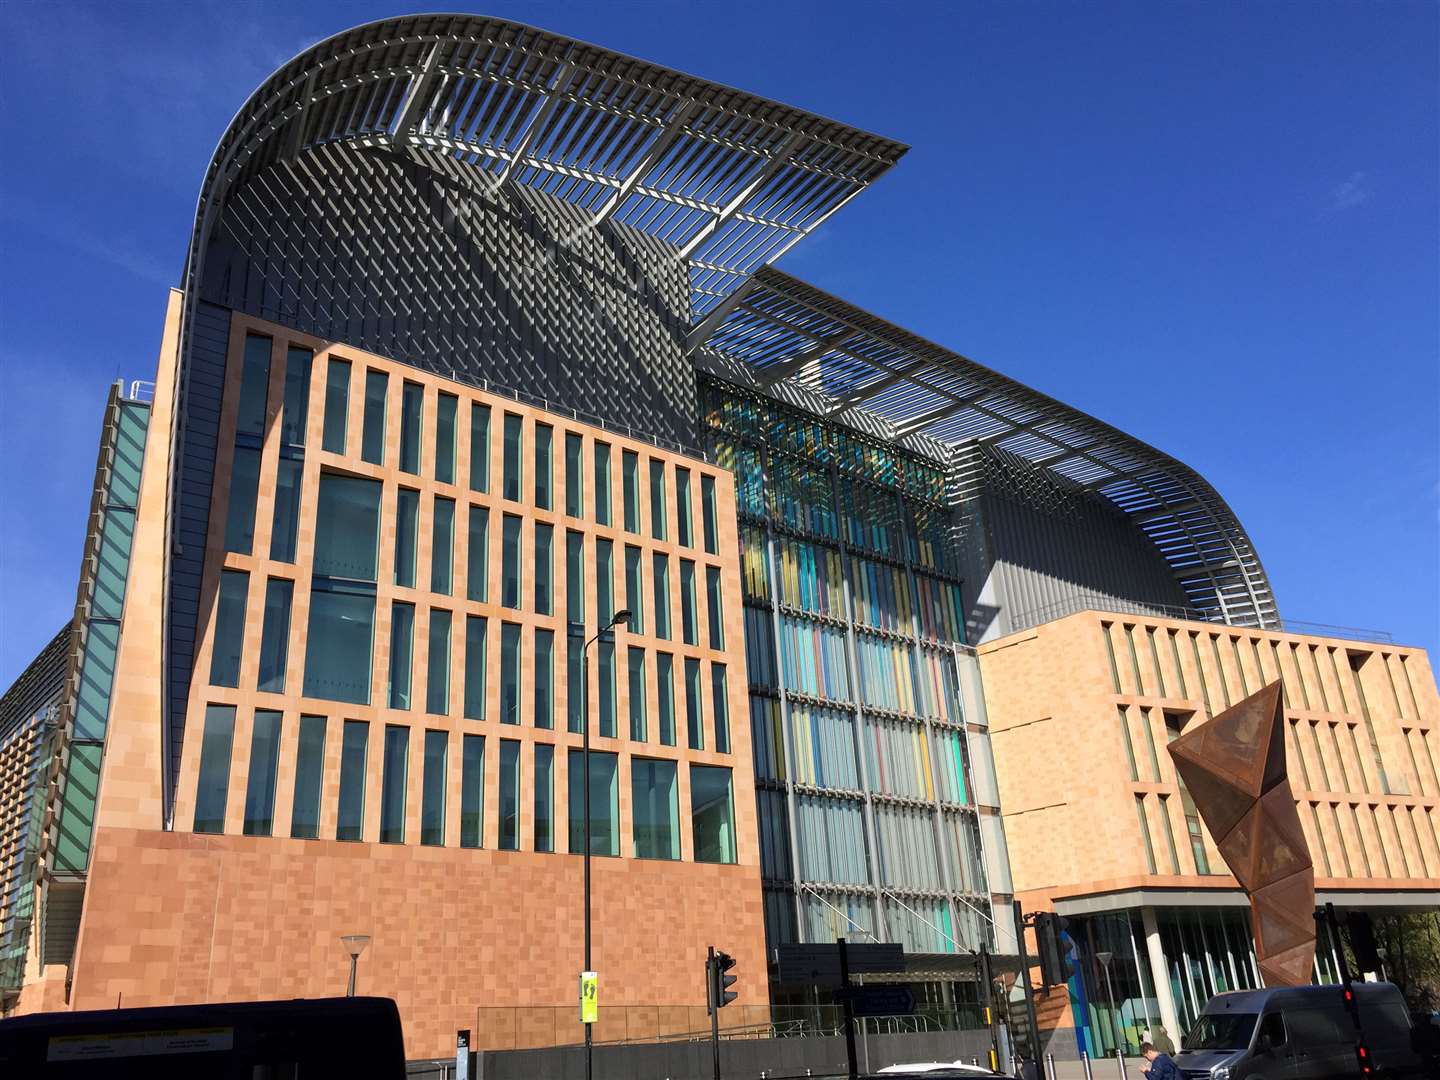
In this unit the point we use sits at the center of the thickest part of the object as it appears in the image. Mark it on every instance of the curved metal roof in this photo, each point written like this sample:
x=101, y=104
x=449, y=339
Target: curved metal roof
x=790, y=334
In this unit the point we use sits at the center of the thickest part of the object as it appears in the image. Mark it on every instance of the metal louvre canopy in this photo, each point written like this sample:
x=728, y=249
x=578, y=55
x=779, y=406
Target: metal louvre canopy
x=788, y=334
x=729, y=179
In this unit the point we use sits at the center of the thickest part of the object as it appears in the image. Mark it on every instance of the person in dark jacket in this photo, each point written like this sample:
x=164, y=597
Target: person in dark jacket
x=1158, y=1066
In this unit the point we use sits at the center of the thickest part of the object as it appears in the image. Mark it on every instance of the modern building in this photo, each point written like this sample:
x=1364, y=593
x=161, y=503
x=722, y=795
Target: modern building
x=477, y=343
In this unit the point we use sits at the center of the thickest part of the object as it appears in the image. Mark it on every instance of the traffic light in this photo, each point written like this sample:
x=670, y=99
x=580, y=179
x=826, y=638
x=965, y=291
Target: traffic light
x=1362, y=941
x=1053, y=945
x=718, y=981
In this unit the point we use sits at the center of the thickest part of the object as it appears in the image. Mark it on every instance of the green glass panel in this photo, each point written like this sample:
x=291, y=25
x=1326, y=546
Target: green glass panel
x=604, y=581
x=575, y=577
x=510, y=561
x=683, y=532
x=338, y=645
x=694, y=714
x=432, y=795
x=129, y=455
x=604, y=803
x=297, y=396
x=574, y=476
x=720, y=708
x=660, y=577
x=97, y=677
x=437, y=681
x=309, y=772
x=630, y=486
x=372, y=430
x=260, y=782
x=285, y=524
x=472, y=791
x=347, y=527
x=412, y=403
x=445, y=438
x=509, y=673
x=689, y=628
x=708, y=515
x=575, y=683
x=655, y=809
x=665, y=696
x=275, y=635
x=77, y=811
x=544, y=568
x=394, y=774
x=509, y=795
x=402, y=654
x=544, y=797
x=337, y=406
x=712, y=814
x=254, y=387
x=657, y=499
x=636, y=666
x=229, y=628
x=634, y=589
x=213, y=785
x=350, y=819
x=477, y=556
x=605, y=662
x=442, y=546
x=714, y=608
x=475, y=667
x=240, y=510
x=510, y=452
x=479, y=447
x=407, y=536
x=602, y=483
x=544, y=467
x=544, y=678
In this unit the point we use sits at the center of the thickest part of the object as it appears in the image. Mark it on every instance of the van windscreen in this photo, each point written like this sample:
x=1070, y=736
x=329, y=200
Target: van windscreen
x=1221, y=1031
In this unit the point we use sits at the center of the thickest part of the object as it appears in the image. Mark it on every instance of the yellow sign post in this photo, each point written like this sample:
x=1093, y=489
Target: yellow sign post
x=589, y=997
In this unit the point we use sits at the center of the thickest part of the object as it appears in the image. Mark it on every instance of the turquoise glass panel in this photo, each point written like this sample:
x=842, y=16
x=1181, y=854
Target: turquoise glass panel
x=213, y=784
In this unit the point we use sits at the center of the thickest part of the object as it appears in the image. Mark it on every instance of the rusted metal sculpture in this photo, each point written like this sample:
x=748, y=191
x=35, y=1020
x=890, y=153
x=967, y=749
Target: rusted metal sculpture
x=1234, y=768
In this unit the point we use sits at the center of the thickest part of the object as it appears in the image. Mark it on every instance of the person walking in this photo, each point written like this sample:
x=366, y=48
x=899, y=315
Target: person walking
x=1158, y=1066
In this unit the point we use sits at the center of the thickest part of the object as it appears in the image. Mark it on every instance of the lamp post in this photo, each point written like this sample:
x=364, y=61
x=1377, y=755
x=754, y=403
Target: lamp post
x=354, y=945
x=620, y=618
x=1105, y=958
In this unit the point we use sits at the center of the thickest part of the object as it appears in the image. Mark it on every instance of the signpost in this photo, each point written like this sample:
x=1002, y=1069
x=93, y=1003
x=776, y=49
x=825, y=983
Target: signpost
x=589, y=997
x=819, y=965
x=462, y=1054
x=885, y=999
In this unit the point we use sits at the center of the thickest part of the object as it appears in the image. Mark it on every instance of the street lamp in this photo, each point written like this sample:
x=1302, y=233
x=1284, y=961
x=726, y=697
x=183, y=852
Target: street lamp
x=1105, y=958
x=620, y=618
x=354, y=945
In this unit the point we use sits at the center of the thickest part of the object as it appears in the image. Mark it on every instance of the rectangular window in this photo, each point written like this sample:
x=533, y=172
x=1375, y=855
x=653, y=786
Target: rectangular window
x=407, y=536
x=720, y=708
x=347, y=531
x=574, y=482
x=477, y=556
x=509, y=673
x=254, y=387
x=544, y=797
x=275, y=635
x=544, y=678
x=475, y=667
x=338, y=644
x=630, y=485
x=337, y=406
x=714, y=608
x=660, y=576
x=229, y=628
x=1169, y=835
x=395, y=769
x=711, y=523
x=654, y=809
x=442, y=546
x=712, y=814
x=309, y=772
x=445, y=438
x=604, y=803
x=657, y=499
x=297, y=397
x=694, y=716
x=604, y=581
x=432, y=793
x=372, y=429
x=285, y=523
x=510, y=465
x=264, y=761
x=214, y=784
x=606, y=663
x=574, y=682
x=1145, y=834
x=544, y=466
x=682, y=508
x=602, y=483
x=240, y=510
x=544, y=568
x=575, y=577
x=412, y=405
x=665, y=696
x=472, y=791
x=634, y=590
x=689, y=627
x=350, y=819
x=510, y=561
x=479, y=447
x=636, y=662
x=402, y=653
x=437, y=680
x=509, y=795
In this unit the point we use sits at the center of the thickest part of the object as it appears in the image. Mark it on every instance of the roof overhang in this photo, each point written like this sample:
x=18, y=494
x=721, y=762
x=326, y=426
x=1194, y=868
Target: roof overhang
x=1127, y=899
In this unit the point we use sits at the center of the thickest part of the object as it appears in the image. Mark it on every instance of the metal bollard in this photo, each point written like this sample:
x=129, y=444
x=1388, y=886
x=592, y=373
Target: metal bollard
x=1085, y=1063
x=1120, y=1062
x=1050, y=1067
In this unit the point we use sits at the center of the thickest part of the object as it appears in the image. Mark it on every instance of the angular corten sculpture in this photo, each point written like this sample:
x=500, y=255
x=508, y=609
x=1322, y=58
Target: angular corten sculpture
x=1234, y=768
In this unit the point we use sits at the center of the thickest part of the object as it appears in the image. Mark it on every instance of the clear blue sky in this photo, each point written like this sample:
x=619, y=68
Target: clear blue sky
x=1213, y=225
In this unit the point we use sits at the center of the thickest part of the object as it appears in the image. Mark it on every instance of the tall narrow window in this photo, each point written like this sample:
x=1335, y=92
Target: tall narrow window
x=657, y=499
x=712, y=814
x=509, y=673
x=630, y=486
x=372, y=428
x=350, y=819
x=602, y=483
x=636, y=686
x=575, y=577
x=412, y=405
x=309, y=771
x=509, y=795
x=714, y=608
x=337, y=406
x=407, y=536
x=437, y=680
x=606, y=664
x=395, y=768
x=240, y=510
x=1145, y=834
x=347, y=531
x=260, y=785
x=249, y=434
x=544, y=466
x=544, y=568
x=683, y=533
x=665, y=697
x=544, y=797
x=689, y=628
x=604, y=803
x=660, y=576
x=402, y=653
x=574, y=481
x=604, y=581
x=479, y=447
x=477, y=556
x=432, y=794
x=574, y=682
x=442, y=546
x=445, y=407
x=510, y=466
x=711, y=523
x=285, y=523
x=544, y=678
x=720, y=708
x=634, y=590
x=229, y=628
x=275, y=635
x=214, y=784
x=339, y=642
x=510, y=562
x=1169, y=835
x=654, y=809
x=475, y=667
x=297, y=396
x=254, y=387
x=472, y=791
x=694, y=715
